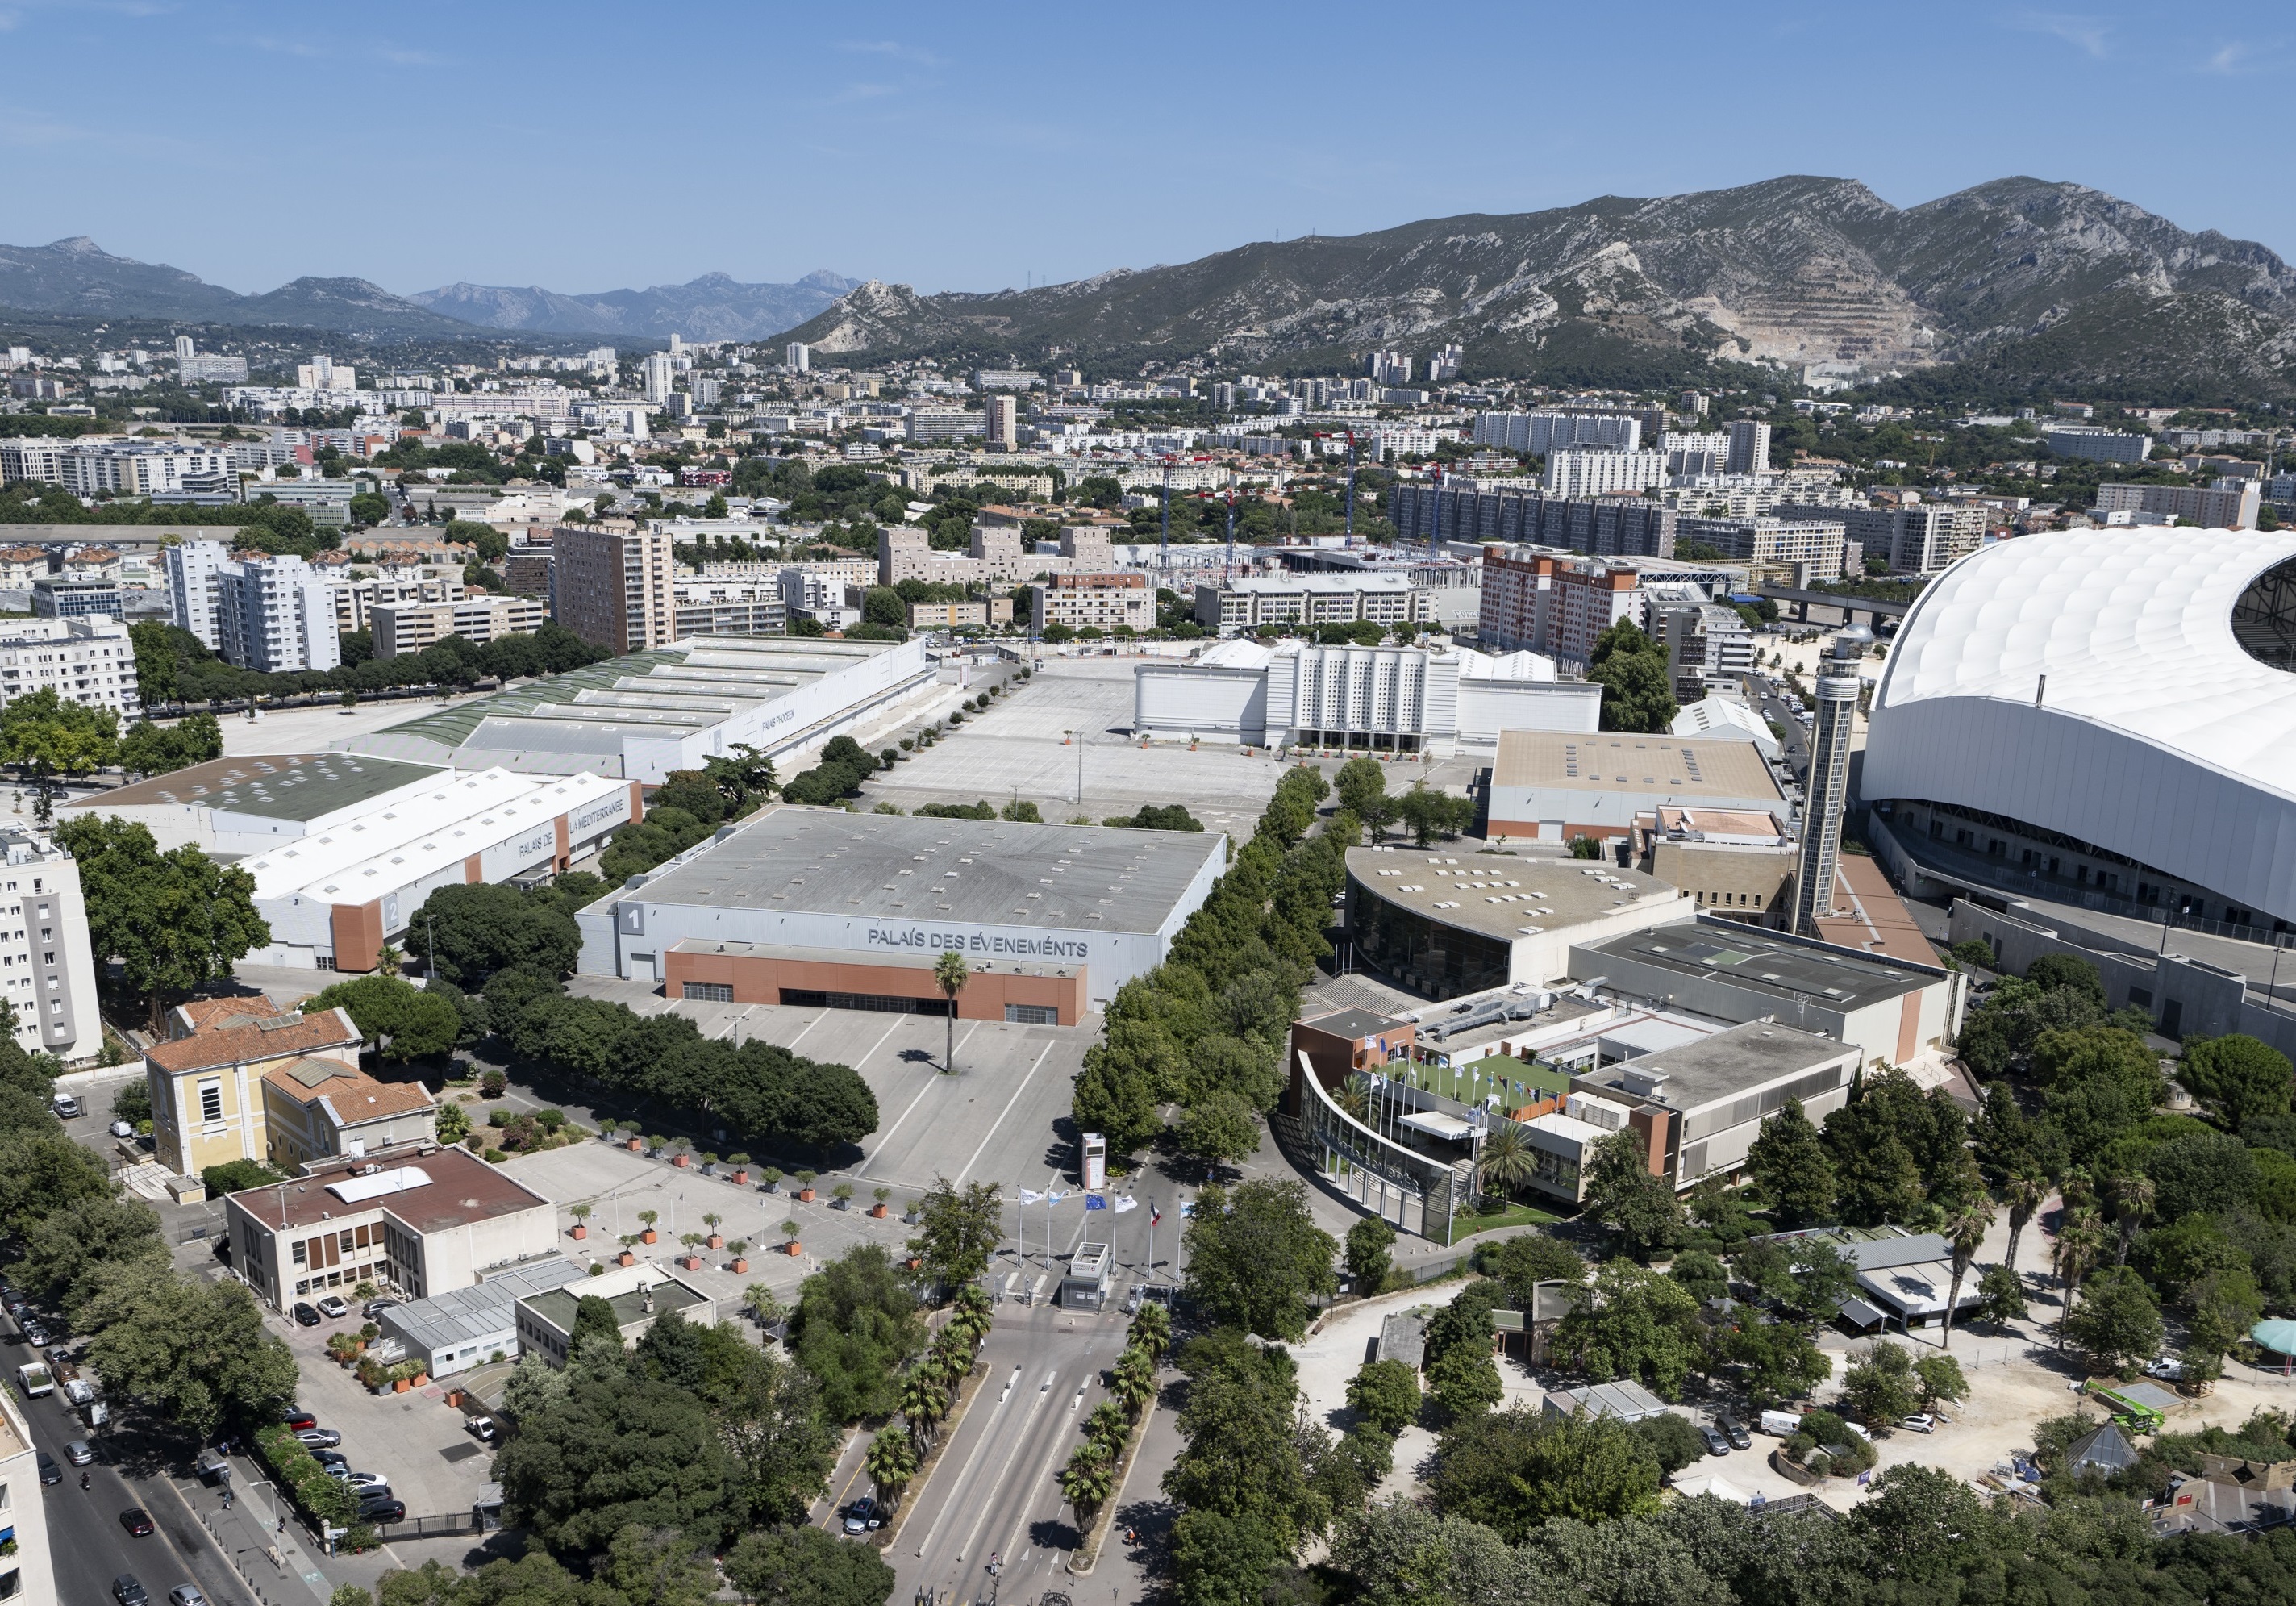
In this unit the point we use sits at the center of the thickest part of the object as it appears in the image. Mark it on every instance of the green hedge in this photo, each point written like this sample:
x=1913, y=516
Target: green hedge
x=323, y=1499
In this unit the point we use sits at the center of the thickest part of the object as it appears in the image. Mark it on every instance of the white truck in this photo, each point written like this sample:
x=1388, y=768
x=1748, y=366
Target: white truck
x=34, y=1379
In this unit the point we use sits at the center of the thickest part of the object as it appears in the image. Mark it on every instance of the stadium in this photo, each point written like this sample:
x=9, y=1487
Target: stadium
x=2103, y=718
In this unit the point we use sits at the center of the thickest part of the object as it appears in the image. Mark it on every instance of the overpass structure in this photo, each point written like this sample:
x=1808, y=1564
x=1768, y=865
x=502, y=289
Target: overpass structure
x=1801, y=600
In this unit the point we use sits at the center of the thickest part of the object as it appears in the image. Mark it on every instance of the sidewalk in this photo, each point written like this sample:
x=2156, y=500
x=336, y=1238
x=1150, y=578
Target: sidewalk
x=282, y=1567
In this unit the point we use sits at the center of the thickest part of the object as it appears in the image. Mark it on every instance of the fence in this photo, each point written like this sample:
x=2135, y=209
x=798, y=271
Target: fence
x=429, y=1528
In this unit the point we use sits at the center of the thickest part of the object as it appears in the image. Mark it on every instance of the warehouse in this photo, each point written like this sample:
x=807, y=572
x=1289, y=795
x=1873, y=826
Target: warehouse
x=816, y=906
x=1888, y=1008
x=231, y=807
x=1547, y=787
x=642, y=716
x=335, y=897
x=1378, y=699
x=1445, y=927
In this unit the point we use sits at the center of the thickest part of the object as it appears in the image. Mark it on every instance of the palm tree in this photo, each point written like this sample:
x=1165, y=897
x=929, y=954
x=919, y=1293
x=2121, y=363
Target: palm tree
x=972, y=1299
x=1505, y=1158
x=1152, y=1329
x=1966, y=1218
x=1109, y=1425
x=2133, y=1198
x=1087, y=1481
x=950, y=974
x=923, y=1404
x=1134, y=1380
x=2081, y=1246
x=893, y=1462
x=2026, y=1190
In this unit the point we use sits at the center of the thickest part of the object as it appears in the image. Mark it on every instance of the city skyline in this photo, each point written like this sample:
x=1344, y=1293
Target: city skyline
x=1054, y=180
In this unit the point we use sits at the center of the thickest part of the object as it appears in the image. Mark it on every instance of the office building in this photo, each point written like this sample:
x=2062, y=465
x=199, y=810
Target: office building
x=2098, y=445
x=74, y=599
x=797, y=356
x=1541, y=434
x=274, y=615
x=1749, y=447
x=1812, y=550
x=1103, y=602
x=639, y=1295
x=2131, y=752
x=427, y=1220
x=816, y=906
x=2227, y=505
x=1493, y=511
x=1884, y=1009
x=209, y=1104
x=614, y=588
x=1736, y=864
x=1444, y=926
x=658, y=376
x=400, y=628
x=640, y=717
x=335, y=898
x=1002, y=416
x=1592, y=471
x=1556, y=787
x=1377, y=699
x=1311, y=600
x=90, y=661
x=1828, y=783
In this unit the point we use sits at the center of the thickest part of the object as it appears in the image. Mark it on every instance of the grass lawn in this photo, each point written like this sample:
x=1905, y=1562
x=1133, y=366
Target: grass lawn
x=1515, y=1215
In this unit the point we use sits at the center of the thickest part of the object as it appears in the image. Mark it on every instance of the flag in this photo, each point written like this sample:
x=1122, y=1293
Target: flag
x=1030, y=1196
x=1054, y=1199
x=1187, y=1207
x=1155, y=1213
x=1093, y=1201
x=1126, y=1203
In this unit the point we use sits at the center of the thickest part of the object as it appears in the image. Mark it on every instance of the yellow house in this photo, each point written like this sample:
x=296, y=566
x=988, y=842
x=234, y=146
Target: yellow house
x=208, y=1098
x=318, y=1108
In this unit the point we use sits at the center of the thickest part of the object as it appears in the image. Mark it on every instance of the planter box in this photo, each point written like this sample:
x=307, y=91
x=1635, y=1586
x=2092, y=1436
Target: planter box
x=741, y=1179
x=398, y=1385
x=635, y=1145
x=717, y=1241
x=647, y=1236
x=841, y=1204
x=878, y=1211
x=740, y=1264
x=581, y=1230
x=795, y=1248
x=804, y=1196
x=692, y=1262
x=626, y=1259
x=680, y=1161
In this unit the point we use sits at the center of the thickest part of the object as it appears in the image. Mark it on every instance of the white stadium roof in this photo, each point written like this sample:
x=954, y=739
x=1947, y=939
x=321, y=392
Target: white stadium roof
x=2090, y=682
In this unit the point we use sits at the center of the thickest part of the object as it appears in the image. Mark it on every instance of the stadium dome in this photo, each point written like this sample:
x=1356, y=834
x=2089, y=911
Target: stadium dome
x=2110, y=713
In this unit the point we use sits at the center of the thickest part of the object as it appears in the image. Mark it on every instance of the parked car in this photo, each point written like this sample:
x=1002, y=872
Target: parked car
x=122, y=1129
x=138, y=1522
x=35, y=1333
x=49, y=1472
x=319, y=1438
x=1921, y=1422
x=375, y=1307
x=484, y=1428
x=306, y=1314
x=383, y=1511
x=1734, y=1431
x=58, y=1354
x=79, y=1452
x=186, y=1595
x=860, y=1517
x=2167, y=1368
x=333, y=1308
x=299, y=1419
x=1716, y=1443
x=331, y=1458
x=67, y=1107
x=367, y=1481
x=128, y=1591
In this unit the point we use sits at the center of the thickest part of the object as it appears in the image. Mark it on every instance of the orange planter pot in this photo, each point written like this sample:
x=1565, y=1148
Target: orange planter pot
x=740, y=1264
x=795, y=1248
x=635, y=1145
x=741, y=1179
x=580, y=1230
x=878, y=1211
x=626, y=1259
x=421, y=1380
x=647, y=1236
x=805, y=1195
x=680, y=1160
x=717, y=1241
x=399, y=1384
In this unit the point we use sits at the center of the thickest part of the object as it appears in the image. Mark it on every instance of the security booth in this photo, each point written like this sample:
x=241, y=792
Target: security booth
x=1085, y=1285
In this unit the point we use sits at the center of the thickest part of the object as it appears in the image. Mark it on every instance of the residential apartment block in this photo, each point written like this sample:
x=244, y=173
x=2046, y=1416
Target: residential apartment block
x=1916, y=539
x=90, y=661
x=134, y=468
x=47, y=964
x=1291, y=599
x=949, y=615
x=614, y=587
x=1543, y=433
x=1515, y=511
x=1599, y=471
x=264, y=613
x=477, y=620
x=1105, y=600
x=1814, y=549
x=2227, y=505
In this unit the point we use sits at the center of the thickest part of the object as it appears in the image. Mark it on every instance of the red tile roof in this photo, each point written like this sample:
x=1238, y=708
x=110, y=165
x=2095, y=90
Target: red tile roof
x=280, y=1037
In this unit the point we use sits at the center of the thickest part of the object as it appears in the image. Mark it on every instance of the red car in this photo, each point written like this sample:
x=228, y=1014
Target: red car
x=298, y=1419
x=138, y=1522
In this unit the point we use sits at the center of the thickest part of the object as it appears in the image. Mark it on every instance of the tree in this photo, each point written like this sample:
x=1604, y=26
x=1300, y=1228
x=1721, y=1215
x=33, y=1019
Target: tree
x=2244, y=1078
x=1464, y=1380
x=1244, y=1469
x=1672, y=1440
x=1637, y=687
x=1777, y=1360
x=892, y=1463
x=1369, y=1241
x=1218, y=1127
x=1622, y=1194
x=1522, y=1263
x=855, y=1321
x=949, y=975
x=1430, y=813
x=2000, y=1295
x=807, y=1566
x=80, y=1245
x=1633, y=1323
x=1088, y=1479
x=403, y=1020
x=1386, y=1394
x=1116, y=1095
x=1788, y=1163
x=958, y=1230
x=194, y=1351
x=1219, y=1559
x=46, y=735
x=1503, y=1161
x=2116, y=1325
x=1255, y=1257
x=1939, y=1380
x=477, y=928
x=779, y=1449
x=1512, y=1471
x=2024, y=1191
x=1882, y=1389
x=1968, y=1212
x=1361, y=783
x=174, y=920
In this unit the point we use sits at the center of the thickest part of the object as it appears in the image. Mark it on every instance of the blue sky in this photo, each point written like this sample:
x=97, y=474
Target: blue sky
x=585, y=146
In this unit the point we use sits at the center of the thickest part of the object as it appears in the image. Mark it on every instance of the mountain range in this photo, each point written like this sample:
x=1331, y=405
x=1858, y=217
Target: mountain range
x=2020, y=282
x=77, y=278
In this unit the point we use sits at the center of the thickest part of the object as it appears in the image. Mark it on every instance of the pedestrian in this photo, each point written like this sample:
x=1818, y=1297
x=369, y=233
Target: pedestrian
x=226, y=1497
x=83, y=1482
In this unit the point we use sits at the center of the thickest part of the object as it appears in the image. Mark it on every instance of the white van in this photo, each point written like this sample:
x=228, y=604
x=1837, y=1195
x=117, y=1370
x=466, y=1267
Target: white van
x=1784, y=1424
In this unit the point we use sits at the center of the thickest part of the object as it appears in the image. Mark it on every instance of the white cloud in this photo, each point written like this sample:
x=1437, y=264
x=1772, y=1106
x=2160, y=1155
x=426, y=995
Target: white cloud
x=2084, y=33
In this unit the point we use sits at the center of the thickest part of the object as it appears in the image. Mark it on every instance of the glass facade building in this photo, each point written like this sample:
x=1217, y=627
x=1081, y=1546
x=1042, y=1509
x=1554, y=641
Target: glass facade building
x=1425, y=955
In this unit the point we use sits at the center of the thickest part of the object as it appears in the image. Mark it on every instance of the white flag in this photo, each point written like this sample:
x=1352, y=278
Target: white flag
x=1030, y=1196
x=1055, y=1198
x=1126, y=1202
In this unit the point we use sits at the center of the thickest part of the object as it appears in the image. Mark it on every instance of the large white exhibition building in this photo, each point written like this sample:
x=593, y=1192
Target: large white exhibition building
x=2109, y=715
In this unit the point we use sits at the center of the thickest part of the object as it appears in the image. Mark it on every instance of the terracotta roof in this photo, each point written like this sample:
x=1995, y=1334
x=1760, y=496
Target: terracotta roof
x=280, y=1037
x=355, y=1095
x=199, y=1014
x=460, y=1189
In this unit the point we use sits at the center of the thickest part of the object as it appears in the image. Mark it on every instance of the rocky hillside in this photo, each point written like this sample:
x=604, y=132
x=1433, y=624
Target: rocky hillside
x=713, y=307
x=2015, y=275
x=77, y=278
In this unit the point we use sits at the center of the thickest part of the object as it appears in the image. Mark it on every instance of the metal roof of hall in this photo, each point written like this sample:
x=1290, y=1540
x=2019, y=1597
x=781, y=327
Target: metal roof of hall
x=286, y=786
x=989, y=872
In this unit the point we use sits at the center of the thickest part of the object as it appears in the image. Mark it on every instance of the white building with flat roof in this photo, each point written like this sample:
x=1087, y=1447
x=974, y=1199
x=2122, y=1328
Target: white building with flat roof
x=89, y=661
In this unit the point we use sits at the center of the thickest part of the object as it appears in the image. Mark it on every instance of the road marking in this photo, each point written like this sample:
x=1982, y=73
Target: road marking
x=929, y=1087
x=1005, y=1472
x=964, y=1475
x=1007, y=1110
x=817, y=1020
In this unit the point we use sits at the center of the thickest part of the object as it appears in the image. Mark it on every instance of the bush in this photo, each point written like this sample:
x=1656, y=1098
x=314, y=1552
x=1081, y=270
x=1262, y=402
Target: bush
x=292, y=1467
x=1672, y=1440
x=236, y=1177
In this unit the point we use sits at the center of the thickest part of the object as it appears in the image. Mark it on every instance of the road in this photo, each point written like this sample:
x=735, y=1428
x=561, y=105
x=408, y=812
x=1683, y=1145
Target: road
x=86, y=1544
x=1781, y=707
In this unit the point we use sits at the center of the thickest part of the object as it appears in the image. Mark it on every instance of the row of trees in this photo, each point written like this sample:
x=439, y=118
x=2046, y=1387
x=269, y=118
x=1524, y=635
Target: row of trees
x=1206, y=1029
x=1426, y=814
x=172, y=666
